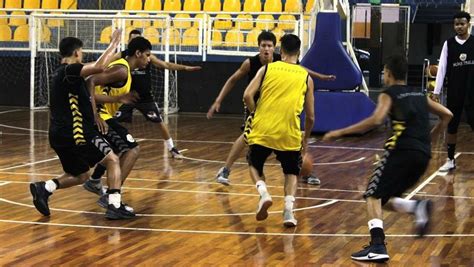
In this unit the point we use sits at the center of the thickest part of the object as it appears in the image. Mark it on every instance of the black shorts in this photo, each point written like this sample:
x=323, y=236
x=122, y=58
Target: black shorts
x=119, y=137
x=149, y=109
x=290, y=160
x=78, y=159
x=457, y=114
x=397, y=171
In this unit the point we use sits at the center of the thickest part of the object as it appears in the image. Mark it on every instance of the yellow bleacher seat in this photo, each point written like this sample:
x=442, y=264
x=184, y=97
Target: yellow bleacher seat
x=309, y=5
x=55, y=22
x=182, y=24
x=265, y=25
x=68, y=4
x=45, y=34
x=172, y=5
x=18, y=21
x=4, y=18
x=223, y=22
x=246, y=23
x=152, y=35
x=199, y=16
x=2, y=3
x=272, y=6
x=252, y=6
x=22, y=34
x=133, y=5
x=293, y=6
x=152, y=5
x=142, y=23
x=287, y=22
x=251, y=40
x=231, y=6
x=174, y=36
x=192, y=5
x=127, y=30
x=5, y=33
x=234, y=38
x=50, y=4
x=278, y=34
x=216, y=39
x=12, y=3
x=212, y=5
x=32, y=4
x=191, y=37
x=106, y=34
x=161, y=22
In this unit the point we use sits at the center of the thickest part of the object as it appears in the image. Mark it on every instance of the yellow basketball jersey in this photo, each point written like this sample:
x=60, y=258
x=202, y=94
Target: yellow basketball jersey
x=107, y=110
x=276, y=121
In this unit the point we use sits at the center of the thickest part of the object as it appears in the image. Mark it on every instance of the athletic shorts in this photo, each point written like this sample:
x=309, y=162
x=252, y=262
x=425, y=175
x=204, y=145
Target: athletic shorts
x=119, y=137
x=80, y=158
x=397, y=171
x=149, y=109
x=290, y=160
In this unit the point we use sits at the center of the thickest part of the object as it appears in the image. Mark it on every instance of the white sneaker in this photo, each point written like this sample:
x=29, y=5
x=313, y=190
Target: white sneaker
x=448, y=166
x=263, y=205
x=289, y=218
x=223, y=176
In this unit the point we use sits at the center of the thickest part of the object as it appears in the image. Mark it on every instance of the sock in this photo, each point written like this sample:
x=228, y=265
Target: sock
x=289, y=202
x=261, y=187
x=51, y=185
x=115, y=199
x=376, y=232
x=169, y=144
x=451, y=150
x=403, y=205
x=98, y=172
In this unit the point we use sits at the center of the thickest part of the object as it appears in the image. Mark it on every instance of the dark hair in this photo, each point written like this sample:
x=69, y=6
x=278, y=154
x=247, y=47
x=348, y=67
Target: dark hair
x=134, y=32
x=462, y=14
x=290, y=44
x=138, y=44
x=266, y=36
x=68, y=45
x=398, y=66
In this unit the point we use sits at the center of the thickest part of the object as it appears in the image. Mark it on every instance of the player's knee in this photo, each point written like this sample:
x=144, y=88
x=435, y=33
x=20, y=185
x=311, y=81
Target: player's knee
x=111, y=159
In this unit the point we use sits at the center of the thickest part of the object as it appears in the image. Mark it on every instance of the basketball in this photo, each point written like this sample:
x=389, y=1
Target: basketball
x=307, y=165
x=432, y=70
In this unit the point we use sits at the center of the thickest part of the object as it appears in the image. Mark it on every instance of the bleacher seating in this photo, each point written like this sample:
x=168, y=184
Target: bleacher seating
x=246, y=23
x=49, y=4
x=272, y=6
x=174, y=36
x=105, y=35
x=152, y=35
x=252, y=38
x=223, y=22
x=152, y=5
x=32, y=4
x=5, y=33
x=3, y=20
x=17, y=21
x=293, y=6
x=252, y=6
x=133, y=5
x=232, y=6
x=182, y=24
x=12, y=4
x=286, y=22
x=21, y=33
x=68, y=4
x=212, y=5
x=172, y=5
x=234, y=38
x=264, y=23
x=191, y=37
x=192, y=5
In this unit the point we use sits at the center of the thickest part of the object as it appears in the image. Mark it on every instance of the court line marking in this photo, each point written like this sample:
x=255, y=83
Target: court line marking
x=20, y=134
x=183, y=231
x=28, y=164
x=8, y=111
x=173, y=215
x=4, y=183
x=277, y=164
x=22, y=128
x=431, y=177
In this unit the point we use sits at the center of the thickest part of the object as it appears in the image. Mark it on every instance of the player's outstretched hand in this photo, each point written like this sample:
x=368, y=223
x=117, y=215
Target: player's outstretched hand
x=435, y=98
x=116, y=37
x=214, y=108
x=332, y=135
x=192, y=68
x=101, y=125
x=329, y=78
x=129, y=98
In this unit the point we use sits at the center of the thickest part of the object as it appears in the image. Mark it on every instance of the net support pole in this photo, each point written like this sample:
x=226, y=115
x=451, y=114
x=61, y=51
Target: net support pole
x=166, y=72
x=32, y=35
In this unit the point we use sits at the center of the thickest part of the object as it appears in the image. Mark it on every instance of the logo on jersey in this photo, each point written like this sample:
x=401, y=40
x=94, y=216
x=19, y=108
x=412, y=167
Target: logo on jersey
x=130, y=138
x=463, y=57
x=118, y=114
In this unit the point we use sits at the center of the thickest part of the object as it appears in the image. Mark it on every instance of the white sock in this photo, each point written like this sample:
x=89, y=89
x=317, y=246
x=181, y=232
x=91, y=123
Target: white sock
x=50, y=186
x=375, y=223
x=115, y=199
x=261, y=187
x=289, y=202
x=169, y=144
x=403, y=205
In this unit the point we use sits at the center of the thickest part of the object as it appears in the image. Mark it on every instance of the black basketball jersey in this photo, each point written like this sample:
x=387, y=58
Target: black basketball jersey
x=255, y=64
x=72, y=117
x=460, y=67
x=409, y=119
x=141, y=81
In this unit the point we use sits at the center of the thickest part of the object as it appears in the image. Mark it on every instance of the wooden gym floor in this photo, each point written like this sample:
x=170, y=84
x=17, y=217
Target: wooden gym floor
x=186, y=218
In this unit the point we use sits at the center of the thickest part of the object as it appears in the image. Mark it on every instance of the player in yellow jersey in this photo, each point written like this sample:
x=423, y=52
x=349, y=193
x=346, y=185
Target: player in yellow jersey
x=274, y=124
x=112, y=89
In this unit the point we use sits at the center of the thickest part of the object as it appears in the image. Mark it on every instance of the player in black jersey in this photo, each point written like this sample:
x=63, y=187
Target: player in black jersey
x=72, y=133
x=266, y=43
x=406, y=157
x=457, y=65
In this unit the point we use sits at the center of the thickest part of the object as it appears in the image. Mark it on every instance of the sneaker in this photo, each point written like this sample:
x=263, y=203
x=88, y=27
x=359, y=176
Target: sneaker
x=263, y=205
x=40, y=197
x=372, y=252
x=175, y=153
x=311, y=179
x=114, y=213
x=423, y=214
x=289, y=218
x=223, y=176
x=448, y=166
x=104, y=203
x=93, y=186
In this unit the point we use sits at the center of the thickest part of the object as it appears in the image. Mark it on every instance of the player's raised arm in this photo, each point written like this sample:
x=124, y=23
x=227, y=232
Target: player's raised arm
x=107, y=57
x=171, y=66
x=320, y=76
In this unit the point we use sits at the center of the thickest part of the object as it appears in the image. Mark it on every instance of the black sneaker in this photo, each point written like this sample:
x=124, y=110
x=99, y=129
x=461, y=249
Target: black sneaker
x=93, y=186
x=114, y=213
x=372, y=252
x=423, y=216
x=311, y=179
x=175, y=153
x=40, y=197
x=104, y=203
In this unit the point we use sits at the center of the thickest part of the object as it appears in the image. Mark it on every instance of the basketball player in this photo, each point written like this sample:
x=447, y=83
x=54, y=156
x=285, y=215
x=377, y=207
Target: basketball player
x=266, y=43
x=406, y=157
x=285, y=88
x=457, y=64
x=72, y=133
x=113, y=83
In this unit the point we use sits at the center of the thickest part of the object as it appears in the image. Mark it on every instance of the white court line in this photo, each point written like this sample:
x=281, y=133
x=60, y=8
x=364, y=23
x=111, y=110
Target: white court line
x=174, y=215
x=183, y=231
x=9, y=111
x=19, y=134
x=4, y=183
x=276, y=164
x=28, y=164
x=22, y=128
x=416, y=190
